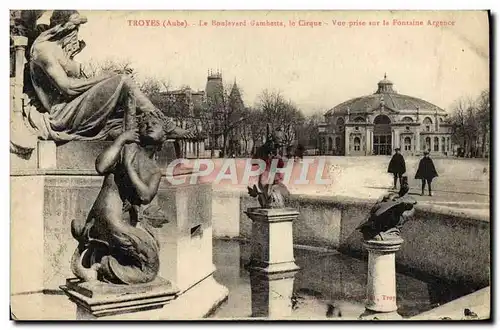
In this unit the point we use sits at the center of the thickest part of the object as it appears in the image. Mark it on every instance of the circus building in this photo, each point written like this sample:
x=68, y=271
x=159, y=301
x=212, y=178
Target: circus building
x=376, y=124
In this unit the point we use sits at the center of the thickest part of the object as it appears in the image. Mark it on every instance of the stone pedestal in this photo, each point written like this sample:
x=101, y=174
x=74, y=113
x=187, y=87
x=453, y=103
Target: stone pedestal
x=185, y=260
x=272, y=240
x=97, y=299
x=272, y=264
x=186, y=240
x=272, y=294
x=381, y=286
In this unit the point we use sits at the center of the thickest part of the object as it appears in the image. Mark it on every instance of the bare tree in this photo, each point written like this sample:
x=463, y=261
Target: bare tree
x=271, y=104
x=483, y=116
x=470, y=118
x=93, y=68
x=282, y=115
x=308, y=134
x=256, y=126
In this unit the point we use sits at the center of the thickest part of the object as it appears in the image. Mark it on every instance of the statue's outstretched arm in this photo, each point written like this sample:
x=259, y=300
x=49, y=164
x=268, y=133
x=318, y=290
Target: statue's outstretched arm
x=106, y=161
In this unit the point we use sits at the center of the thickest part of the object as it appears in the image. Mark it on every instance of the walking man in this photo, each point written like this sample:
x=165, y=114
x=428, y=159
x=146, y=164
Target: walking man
x=426, y=172
x=397, y=167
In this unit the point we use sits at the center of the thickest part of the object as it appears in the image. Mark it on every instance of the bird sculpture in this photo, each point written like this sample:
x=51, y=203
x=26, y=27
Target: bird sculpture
x=388, y=214
x=272, y=194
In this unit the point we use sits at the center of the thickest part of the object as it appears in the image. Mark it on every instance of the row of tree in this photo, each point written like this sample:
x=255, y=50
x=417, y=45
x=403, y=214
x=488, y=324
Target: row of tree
x=222, y=117
x=471, y=125
x=274, y=112
x=234, y=128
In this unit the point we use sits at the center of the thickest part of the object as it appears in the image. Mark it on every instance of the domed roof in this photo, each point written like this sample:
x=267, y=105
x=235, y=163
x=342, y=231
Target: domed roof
x=384, y=96
x=385, y=81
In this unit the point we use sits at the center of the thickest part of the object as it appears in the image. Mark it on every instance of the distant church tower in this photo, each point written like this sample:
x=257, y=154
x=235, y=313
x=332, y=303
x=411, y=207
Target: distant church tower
x=235, y=99
x=214, y=87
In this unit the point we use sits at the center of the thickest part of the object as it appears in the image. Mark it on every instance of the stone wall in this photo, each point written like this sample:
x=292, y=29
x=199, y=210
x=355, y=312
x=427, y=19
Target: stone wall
x=439, y=243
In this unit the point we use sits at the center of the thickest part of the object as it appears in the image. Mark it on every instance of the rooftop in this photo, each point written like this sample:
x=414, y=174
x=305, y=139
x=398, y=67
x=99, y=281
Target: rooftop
x=385, y=96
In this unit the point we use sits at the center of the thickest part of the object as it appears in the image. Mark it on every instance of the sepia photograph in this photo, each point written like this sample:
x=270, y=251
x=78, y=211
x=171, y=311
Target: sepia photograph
x=222, y=165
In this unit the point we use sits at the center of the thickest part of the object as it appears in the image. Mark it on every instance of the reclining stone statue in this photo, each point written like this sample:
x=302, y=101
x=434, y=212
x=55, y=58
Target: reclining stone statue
x=68, y=105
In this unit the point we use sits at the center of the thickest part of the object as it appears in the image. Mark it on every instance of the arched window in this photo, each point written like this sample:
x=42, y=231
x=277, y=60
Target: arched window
x=330, y=144
x=441, y=119
x=407, y=143
x=447, y=144
x=407, y=119
x=427, y=143
x=357, y=144
x=340, y=124
x=443, y=144
x=427, y=123
x=436, y=144
x=359, y=120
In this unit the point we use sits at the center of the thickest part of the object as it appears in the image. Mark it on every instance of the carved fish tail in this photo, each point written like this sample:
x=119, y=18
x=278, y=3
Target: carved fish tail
x=135, y=260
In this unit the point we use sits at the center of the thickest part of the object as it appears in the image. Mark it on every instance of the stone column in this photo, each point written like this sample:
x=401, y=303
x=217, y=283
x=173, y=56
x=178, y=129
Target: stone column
x=370, y=143
x=347, y=152
x=381, y=284
x=367, y=141
x=272, y=264
x=22, y=140
x=417, y=140
x=393, y=139
x=20, y=44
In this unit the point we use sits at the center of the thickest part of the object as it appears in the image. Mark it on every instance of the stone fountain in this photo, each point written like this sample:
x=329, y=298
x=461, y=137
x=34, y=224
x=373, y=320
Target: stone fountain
x=149, y=259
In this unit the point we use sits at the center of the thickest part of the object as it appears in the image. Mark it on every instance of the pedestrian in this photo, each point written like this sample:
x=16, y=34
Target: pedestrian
x=397, y=167
x=426, y=172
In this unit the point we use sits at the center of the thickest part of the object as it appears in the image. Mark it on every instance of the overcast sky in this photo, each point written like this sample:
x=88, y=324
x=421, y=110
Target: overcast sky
x=317, y=67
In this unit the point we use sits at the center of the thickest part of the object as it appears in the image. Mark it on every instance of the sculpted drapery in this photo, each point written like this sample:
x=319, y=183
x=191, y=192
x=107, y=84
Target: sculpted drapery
x=72, y=107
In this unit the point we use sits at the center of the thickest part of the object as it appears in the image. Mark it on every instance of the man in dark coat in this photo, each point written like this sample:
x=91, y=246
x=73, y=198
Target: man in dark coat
x=397, y=167
x=426, y=172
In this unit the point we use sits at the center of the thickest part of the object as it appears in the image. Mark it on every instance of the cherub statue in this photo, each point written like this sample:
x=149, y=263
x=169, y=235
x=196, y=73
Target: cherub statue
x=115, y=245
x=388, y=215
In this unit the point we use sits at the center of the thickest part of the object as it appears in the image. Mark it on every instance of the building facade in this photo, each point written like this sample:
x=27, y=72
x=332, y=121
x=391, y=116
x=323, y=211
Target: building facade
x=183, y=105
x=376, y=124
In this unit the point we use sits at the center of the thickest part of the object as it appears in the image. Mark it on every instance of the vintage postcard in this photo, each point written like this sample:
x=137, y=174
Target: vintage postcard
x=249, y=165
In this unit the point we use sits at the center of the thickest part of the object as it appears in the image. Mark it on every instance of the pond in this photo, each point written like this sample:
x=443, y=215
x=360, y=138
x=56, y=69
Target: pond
x=328, y=285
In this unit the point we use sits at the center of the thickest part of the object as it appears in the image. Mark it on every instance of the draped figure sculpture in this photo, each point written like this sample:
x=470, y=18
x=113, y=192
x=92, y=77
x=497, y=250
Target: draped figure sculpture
x=115, y=245
x=69, y=105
